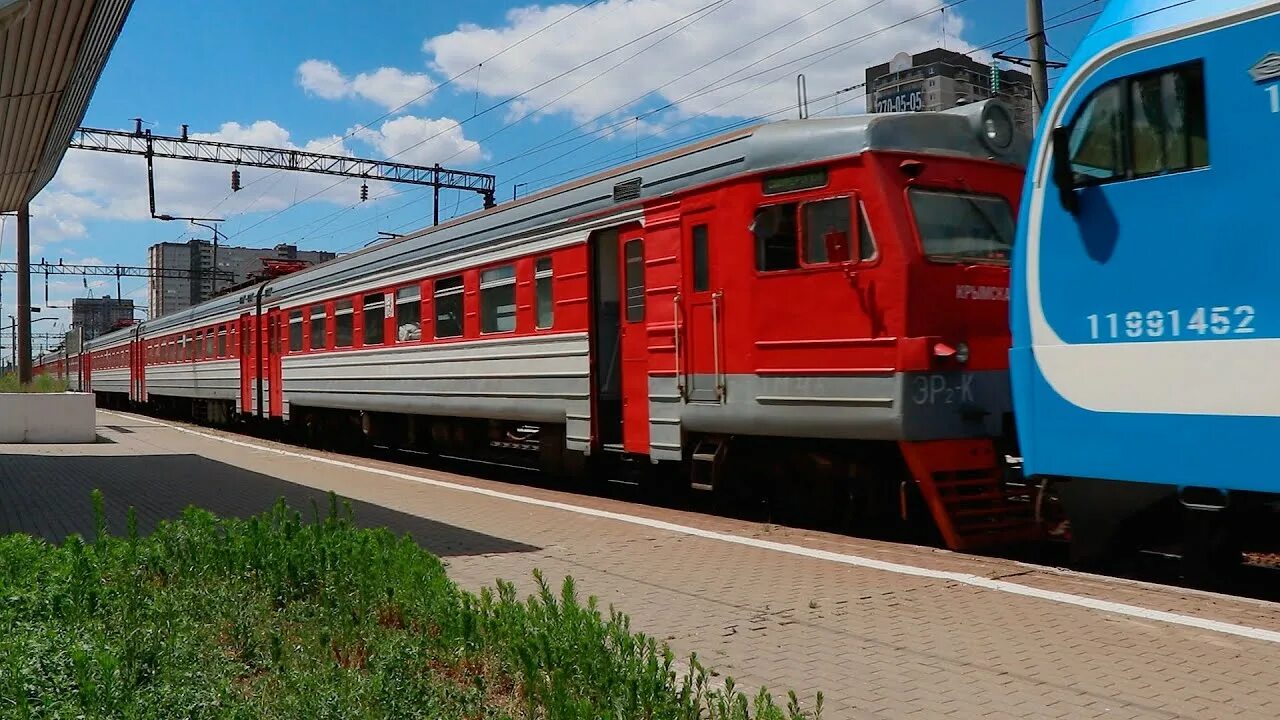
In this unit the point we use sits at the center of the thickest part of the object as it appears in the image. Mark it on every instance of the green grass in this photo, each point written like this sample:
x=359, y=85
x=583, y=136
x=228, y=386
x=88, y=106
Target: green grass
x=279, y=617
x=40, y=384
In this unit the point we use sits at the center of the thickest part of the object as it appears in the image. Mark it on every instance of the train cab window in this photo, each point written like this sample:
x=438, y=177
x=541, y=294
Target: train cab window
x=1143, y=125
x=777, y=239
x=963, y=227
x=317, y=327
x=701, y=259
x=498, y=299
x=343, y=323
x=633, y=257
x=544, y=301
x=1169, y=121
x=827, y=225
x=866, y=241
x=409, y=314
x=448, y=301
x=295, y=331
x=375, y=314
x=222, y=342
x=1098, y=137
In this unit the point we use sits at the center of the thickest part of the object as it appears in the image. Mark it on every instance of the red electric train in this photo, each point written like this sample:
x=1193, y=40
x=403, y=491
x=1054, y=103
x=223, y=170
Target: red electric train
x=811, y=311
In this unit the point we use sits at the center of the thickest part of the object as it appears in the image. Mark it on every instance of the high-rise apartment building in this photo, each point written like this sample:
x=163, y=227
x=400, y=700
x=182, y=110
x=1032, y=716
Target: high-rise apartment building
x=169, y=295
x=941, y=79
x=98, y=316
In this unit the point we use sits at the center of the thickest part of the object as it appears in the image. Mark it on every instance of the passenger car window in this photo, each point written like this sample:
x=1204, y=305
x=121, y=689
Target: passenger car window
x=542, y=278
x=295, y=331
x=409, y=314
x=317, y=327
x=448, y=299
x=375, y=313
x=343, y=323
x=498, y=299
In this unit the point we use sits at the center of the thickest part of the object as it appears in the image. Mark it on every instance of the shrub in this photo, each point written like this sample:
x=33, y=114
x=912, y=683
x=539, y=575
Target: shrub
x=274, y=616
x=40, y=384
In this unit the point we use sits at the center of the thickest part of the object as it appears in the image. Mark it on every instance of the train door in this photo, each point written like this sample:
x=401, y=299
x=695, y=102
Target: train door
x=703, y=361
x=276, y=327
x=246, y=363
x=138, y=368
x=634, y=341
x=606, y=342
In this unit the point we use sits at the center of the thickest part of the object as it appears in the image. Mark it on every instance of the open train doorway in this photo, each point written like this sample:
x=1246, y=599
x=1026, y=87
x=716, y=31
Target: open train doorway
x=606, y=341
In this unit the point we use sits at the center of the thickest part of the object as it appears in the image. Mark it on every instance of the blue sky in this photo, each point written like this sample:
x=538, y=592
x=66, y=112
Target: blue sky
x=333, y=75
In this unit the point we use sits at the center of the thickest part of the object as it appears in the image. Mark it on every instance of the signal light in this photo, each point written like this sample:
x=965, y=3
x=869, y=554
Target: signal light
x=235, y=181
x=364, y=192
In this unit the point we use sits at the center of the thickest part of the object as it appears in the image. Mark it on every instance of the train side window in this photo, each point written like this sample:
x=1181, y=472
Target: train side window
x=866, y=241
x=375, y=313
x=197, y=351
x=633, y=256
x=1097, y=137
x=343, y=323
x=222, y=341
x=295, y=331
x=409, y=314
x=701, y=259
x=827, y=225
x=1142, y=125
x=448, y=299
x=317, y=327
x=545, y=300
x=498, y=299
x=777, y=237
x=1169, y=121
x=210, y=344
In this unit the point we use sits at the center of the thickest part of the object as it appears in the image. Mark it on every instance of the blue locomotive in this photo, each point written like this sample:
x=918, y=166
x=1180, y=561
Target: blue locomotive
x=1145, y=303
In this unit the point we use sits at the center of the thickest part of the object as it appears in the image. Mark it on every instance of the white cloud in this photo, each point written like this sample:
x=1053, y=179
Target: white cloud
x=423, y=141
x=324, y=79
x=387, y=86
x=578, y=39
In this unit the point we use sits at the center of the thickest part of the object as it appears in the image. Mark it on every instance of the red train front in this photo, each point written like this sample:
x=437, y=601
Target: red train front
x=812, y=312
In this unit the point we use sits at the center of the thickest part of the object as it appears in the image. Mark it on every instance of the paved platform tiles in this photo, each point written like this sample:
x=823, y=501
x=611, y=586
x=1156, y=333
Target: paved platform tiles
x=770, y=606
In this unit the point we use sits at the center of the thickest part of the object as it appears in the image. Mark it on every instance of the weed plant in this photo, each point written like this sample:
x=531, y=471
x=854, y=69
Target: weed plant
x=280, y=617
x=39, y=384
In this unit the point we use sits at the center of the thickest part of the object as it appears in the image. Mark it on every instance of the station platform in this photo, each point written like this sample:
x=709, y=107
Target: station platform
x=883, y=630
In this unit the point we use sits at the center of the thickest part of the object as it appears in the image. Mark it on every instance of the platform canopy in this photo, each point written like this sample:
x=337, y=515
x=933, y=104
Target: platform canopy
x=51, y=55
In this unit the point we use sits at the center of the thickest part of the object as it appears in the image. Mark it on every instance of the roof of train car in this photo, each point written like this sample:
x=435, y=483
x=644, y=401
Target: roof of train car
x=1122, y=19
x=766, y=146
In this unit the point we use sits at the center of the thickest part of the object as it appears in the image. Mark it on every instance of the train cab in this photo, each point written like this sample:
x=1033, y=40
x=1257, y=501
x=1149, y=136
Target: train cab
x=838, y=316
x=1143, y=355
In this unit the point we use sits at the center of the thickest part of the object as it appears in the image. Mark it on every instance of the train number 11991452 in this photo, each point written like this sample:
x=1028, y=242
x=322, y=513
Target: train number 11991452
x=1216, y=320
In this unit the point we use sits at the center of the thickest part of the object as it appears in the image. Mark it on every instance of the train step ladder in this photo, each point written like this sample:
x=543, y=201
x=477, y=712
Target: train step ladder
x=707, y=460
x=967, y=492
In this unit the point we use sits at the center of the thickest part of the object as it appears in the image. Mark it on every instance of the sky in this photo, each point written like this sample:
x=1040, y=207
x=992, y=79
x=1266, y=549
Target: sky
x=536, y=93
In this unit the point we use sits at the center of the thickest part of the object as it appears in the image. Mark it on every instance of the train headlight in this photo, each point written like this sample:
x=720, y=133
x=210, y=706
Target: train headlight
x=962, y=353
x=997, y=127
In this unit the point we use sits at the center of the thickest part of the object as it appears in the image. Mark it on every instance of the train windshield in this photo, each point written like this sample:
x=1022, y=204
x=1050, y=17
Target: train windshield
x=963, y=227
